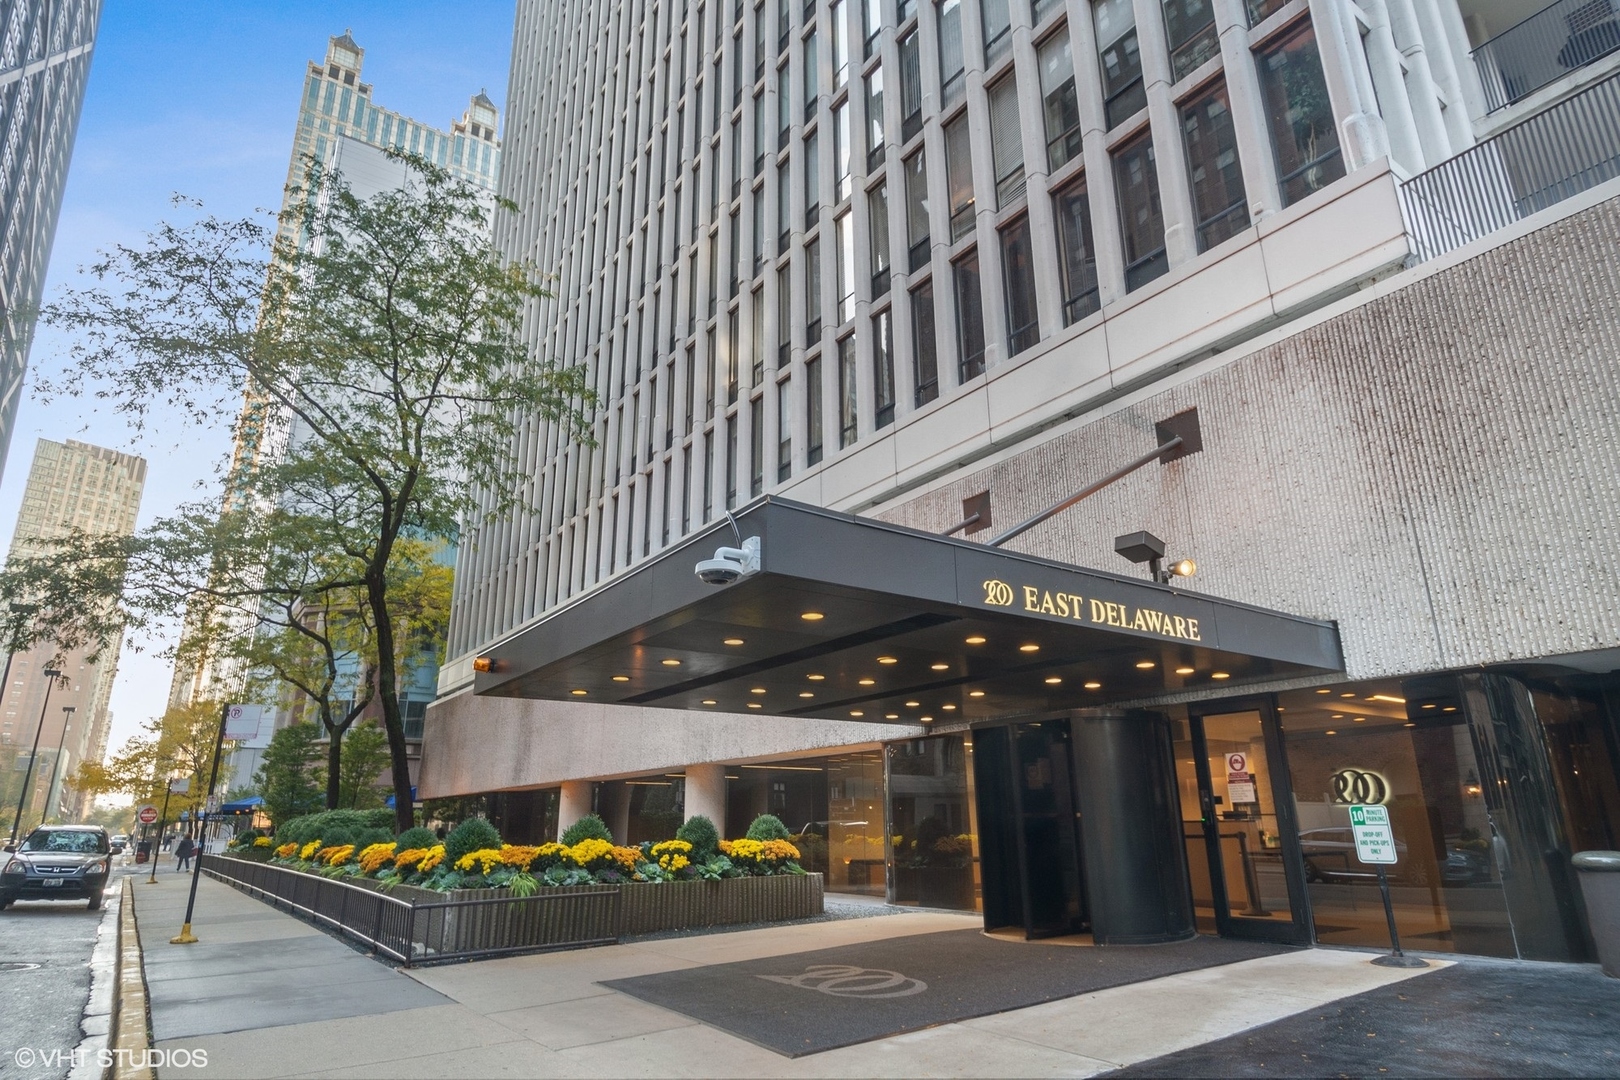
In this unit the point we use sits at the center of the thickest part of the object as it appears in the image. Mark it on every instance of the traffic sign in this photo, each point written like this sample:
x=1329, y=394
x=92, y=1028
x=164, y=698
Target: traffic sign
x=244, y=721
x=147, y=815
x=1375, y=840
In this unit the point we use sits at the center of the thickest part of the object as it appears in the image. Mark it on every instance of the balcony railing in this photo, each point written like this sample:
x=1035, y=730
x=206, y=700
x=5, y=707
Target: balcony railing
x=1543, y=160
x=1561, y=37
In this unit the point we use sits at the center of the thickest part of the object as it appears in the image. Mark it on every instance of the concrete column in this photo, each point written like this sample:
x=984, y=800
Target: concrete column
x=1422, y=81
x=1255, y=155
x=1362, y=133
x=574, y=804
x=1384, y=62
x=706, y=794
x=1170, y=154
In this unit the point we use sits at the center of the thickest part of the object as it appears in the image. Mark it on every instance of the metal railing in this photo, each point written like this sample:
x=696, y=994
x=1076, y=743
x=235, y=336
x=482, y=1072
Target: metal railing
x=432, y=932
x=1538, y=162
x=1543, y=48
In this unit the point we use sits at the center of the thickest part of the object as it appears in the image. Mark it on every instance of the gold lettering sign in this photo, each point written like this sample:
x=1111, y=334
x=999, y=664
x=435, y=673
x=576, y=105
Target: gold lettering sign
x=1066, y=605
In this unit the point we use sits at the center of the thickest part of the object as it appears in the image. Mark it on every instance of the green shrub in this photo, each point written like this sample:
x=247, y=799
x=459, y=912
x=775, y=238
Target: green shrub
x=416, y=838
x=768, y=827
x=700, y=832
x=335, y=837
x=471, y=835
x=364, y=838
x=382, y=818
x=589, y=827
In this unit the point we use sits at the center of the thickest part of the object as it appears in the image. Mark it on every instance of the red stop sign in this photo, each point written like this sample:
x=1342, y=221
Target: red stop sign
x=147, y=815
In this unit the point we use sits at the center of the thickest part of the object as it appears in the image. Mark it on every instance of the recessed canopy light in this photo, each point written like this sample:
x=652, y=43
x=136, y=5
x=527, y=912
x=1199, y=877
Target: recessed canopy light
x=1324, y=690
x=1409, y=724
x=671, y=663
x=856, y=712
x=975, y=693
x=812, y=616
x=734, y=641
x=1184, y=671
x=1449, y=708
x=1330, y=731
x=710, y=701
x=578, y=693
x=1338, y=716
x=757, y=690
x=926, y=719
x=1144, y=664
x=1359, y=720
x=948, y=708
x=940, y=667
x=891, y=716
x=976, y=639
x=1219, y=675
x=868, y=682
x=806, y=693
x=1053, y=681
x=755, y=705
x=1029, y=648
x=887, y=660
x=1347, y=695
x=815, y=678
x=1093, y=686
x=1388, y=697
x=621, y=678
x=912, y=704
x=1431, y=705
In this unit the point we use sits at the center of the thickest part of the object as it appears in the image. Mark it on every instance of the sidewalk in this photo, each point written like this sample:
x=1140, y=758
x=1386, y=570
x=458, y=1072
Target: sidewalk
x=268, y=995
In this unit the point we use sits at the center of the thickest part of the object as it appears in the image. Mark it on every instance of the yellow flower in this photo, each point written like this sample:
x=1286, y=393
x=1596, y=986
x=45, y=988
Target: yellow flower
x=336, y=855
x=434, y=856
x=484, y=860
x=627, y=858
x=407, y=859
x=261, y=841
x=672, y=854
x=519, y=857
x=778, y=850
x=374, y=857
x=588, y=853
x=309, y=849
x=285, y=850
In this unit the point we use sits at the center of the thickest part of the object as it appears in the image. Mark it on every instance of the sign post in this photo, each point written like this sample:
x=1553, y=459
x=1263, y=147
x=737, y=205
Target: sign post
x=1375, y=846
x=235, y=722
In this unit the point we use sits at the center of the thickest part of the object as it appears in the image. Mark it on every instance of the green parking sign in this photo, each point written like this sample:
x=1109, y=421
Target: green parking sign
x=1375, y=840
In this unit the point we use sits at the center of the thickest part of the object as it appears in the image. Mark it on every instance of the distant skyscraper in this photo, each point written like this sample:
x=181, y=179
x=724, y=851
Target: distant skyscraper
x=72, y=485
x=45, y=48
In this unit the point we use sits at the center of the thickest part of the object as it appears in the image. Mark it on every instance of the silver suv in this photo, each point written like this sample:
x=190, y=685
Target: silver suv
x=57, y=862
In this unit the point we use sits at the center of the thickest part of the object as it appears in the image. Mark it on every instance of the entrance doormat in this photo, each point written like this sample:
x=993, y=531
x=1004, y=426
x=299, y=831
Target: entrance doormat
x=804, y=1003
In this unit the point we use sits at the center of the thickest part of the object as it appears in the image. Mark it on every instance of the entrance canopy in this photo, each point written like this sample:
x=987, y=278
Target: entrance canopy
x=850, y=618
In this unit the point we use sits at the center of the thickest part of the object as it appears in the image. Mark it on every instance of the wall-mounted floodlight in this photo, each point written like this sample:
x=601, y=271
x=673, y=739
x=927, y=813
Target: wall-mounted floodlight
x=1144, y=547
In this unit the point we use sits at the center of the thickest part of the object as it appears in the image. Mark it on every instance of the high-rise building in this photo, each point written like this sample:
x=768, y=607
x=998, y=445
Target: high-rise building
x=71, y=486
x=45, y=50
x=1320, y=292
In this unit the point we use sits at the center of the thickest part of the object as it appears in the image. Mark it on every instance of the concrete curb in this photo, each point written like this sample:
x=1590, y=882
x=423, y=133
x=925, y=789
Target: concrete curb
x=131, y=1027
x=96, y=1024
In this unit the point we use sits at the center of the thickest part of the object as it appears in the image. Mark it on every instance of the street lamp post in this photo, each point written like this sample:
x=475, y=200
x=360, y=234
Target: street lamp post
x=56, y=763
x=51, y=675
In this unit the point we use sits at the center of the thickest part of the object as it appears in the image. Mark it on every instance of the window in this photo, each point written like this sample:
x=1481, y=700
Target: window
x=756, y=447
x=997, y=25
x=758, y=238
x=840, y=44
x=812, y=180
x=759, y=134
x=952, y=67
x=784, y=24
x=844, y=254
x=1062, y=106
x=669, y=405
x=1141, y=218
x=1077, y=255
x=811, y=77
x=708, y=477
x=910, y=88
x=969, y=317
x=1261, y=10
x=1189, y=28
x=756, y=337
x=871, y=26
x=924, y=351
x=784, y=208
x=959, y=176
x=1124, y=94
x=843, y=184
x=882, y=370
x=812, y=410
x=1300, y=116
x=917, y=239
x=736, y=159
x=1212, y=167
x=1018, y=278
x=904, y=10
x=812, y=293
x=784, y=430
x=731, y=462
x=784, y=113
x=732, y=357
x=1040, y=9
x=759, y=43
x=847, y=420
x=784, y=316
x=735, y=253
x=1006, y=142
x=874, y=120
x=877, y=205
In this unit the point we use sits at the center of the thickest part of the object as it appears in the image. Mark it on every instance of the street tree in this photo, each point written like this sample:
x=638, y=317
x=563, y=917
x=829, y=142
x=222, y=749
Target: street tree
x=286, y=779
x=180, y=743
x=383, y=361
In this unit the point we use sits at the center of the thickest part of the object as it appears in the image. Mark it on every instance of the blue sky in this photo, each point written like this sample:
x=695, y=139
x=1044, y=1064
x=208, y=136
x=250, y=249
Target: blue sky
x=201, y=99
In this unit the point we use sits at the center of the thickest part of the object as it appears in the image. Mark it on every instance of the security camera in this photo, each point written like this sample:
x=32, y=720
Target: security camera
x=730, y=563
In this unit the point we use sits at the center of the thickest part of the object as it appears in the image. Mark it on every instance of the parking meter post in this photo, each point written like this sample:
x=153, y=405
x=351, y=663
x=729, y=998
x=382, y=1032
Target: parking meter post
x=186, y=937
x=1396, y=958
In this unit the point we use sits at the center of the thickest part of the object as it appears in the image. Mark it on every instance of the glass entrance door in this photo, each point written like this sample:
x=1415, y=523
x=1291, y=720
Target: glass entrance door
x=1254, y=887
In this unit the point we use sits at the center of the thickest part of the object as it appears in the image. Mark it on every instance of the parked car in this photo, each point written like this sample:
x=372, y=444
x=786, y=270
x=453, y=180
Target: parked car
x=117, y=842
x=57, y=862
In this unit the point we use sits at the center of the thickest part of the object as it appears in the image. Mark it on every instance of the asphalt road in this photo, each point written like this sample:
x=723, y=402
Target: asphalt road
x=45, y=951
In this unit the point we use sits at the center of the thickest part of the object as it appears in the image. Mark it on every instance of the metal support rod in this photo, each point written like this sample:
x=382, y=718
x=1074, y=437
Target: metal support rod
x=163, y=818
x=186, y=937
x=1118, y=474
x=1389, y=913
x=960, y=525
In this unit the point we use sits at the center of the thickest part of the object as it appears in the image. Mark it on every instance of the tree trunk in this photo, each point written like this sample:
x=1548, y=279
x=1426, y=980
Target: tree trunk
x=334, y=761
x=388, y=694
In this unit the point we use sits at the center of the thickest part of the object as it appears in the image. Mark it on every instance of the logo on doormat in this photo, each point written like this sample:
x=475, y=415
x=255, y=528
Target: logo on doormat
x=842, y=980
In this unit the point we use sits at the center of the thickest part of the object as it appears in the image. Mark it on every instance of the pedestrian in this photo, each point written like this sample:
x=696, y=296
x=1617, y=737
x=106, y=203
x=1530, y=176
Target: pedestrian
x=182, y=853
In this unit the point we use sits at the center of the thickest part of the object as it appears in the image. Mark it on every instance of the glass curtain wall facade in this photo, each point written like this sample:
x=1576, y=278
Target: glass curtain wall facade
x=893, y=194
x=45, y=51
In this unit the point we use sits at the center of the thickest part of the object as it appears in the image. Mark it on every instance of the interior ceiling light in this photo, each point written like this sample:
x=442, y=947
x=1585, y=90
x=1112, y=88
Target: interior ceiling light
x=1144, y=664
x=734, y=641
x=621, y=678
x=1184, y=671
x=578, y=693
x=815, y=678
x=1093, y=686
x=671, y=663
x=1388, y=697
x=940, y=667
x=975, y=693
x=868, y=682
x=887, y=660
x=812, y=616
x=1053, y=681
x=976, y=639
x=1219, y=675
x=1029, y=648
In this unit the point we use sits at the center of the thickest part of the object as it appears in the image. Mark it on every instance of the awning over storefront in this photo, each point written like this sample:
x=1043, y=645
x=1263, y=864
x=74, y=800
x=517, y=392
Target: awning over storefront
x=850, y=618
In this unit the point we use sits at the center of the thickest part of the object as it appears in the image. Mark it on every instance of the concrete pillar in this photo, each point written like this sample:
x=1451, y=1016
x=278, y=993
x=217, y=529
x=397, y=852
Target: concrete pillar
x=574, y=804
x=706, y=794
x=1389, y=78
x=1363, y=135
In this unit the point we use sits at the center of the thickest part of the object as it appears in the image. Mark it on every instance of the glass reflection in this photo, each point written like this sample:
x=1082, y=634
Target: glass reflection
x=934, y=835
